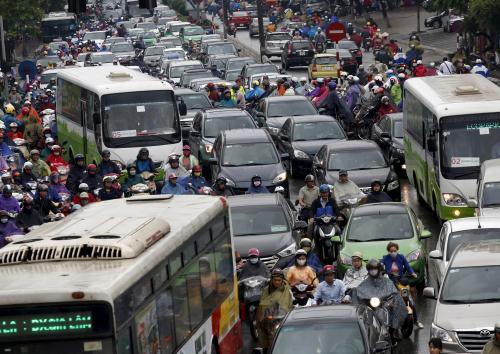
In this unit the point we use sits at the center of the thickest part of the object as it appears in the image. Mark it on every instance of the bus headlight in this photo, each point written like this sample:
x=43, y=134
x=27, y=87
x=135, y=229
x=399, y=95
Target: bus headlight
x=279, y=178
x=453, y=199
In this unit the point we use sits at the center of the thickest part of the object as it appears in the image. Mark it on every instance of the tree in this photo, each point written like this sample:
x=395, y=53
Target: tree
x=21, y=17
x=486, y=13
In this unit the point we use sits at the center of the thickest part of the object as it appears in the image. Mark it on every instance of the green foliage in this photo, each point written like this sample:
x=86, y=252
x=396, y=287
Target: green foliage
x=22, y=16
x=486, y=13
x=177, y=5
x=460, y=5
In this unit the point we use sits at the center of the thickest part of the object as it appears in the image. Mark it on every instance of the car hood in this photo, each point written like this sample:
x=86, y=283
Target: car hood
x=268, y=245
x=152, y=58
x=362, y=178
x=466, y=316
x=241, y=175
x=124, y=54
x=490, y=211
x=311, y=147
x=377, y=249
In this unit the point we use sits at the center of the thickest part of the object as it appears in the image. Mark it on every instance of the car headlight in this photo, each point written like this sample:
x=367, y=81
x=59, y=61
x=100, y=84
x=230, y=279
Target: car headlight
x=288, y=251
x=208, y=148
x=444, y=335
x=453, y=199
x=300, y=154
x=346, y=260
x=279, y=178
x=274, y=130
x=392, y=185
x=414, y=255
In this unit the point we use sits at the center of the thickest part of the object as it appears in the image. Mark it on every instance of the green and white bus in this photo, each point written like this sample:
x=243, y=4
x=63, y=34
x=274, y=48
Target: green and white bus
x=118, y=109
x=451, y=125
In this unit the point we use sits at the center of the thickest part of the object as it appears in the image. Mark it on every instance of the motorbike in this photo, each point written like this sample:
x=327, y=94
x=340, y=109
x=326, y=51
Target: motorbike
x=320, y=47
x=62, y=169
x=30, y=188
x=251, y=288
x=302, y=295
x=403, y=286
x=364, y=121
x=325, y=228
x=20, y=145
x=273, y=316
x=348, y=203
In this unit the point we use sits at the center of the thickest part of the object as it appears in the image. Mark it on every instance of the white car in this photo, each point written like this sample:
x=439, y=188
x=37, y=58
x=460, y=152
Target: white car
x=453, y=233
x=488, y=189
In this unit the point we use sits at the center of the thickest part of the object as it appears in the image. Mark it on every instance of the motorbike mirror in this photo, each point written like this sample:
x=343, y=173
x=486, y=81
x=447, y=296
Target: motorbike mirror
x=335, y=239
x=436, y=254
x=382, y=346
x=300, y=225
x=429, y=293
x=425, y=234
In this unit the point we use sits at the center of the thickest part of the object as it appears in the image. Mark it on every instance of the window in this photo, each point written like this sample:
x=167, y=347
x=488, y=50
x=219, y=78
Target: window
x=124, y=343
x=413, y=112
x=70, y=95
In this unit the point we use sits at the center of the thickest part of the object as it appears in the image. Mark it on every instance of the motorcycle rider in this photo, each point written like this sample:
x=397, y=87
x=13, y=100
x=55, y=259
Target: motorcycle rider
x=312, y=258
x=277, y=292
x=196, y=180
x=255, y=93
x=132, y=177
x=331, y=290
x=436, y=346
x=92, y=178
x=7, y=201
x=356, y=273
x=493, y=346
x=56, y=188
x=28, y=217
x=4, y=147
x=300, y=272
x=106, y=166
x=107, y=192
x=14, y=132
x=27, y=173
x=55, y=156
x=47, y=150
x=253, y=266
x=42, y=203
x=83, y=188
x=76, y=173
x=307, y=195
x=40, y=167
x=334, y=105
x=144, y=162
x=377, y=195
x=8, y=227
x=188, y=160
x=173, y=166
x=319, y=39
x=344, y=188
x=221, y=188
x=256, y=186
x=172, y=187
x=353, y=92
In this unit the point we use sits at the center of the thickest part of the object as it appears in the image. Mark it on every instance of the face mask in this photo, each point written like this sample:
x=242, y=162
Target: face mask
x=256, y=183
x=197, y=174
x=253, y=260
x=4, y=220
x=132, y=172
x=394, y=255
x=185, y=153
x=301, y=262
x=373, y=272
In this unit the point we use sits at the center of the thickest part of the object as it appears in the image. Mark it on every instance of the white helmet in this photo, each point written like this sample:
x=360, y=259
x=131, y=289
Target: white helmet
x=303, y=79
x=279, y=189
x=49, y=140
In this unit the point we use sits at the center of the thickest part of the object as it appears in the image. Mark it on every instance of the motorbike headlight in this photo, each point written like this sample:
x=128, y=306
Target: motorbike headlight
x=444, y=335
x=392, y=185
x=274, y=130
x=414, y=255
x=288, y=251
x=208, y=148
x=453, y=199
x=300, y=154
x=279, y=178
x=344, y=259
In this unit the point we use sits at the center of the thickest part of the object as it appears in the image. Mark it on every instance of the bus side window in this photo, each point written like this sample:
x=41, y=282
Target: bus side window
x=225, y=267
x=166, y=327
x=123, y=341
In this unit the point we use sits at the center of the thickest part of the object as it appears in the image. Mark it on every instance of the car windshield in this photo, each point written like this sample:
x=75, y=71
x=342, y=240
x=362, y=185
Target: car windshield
x=146, y=25
x=471, y=285
x=135, y=31
x=122, y=47
x=398, y=228
x=149, y=35
x=186, y=77
x=177, y=27
x=347, y=45
x=262, y=69
x=317, y=131
x=322, y=337
x=278, y=37
x=459, y=237
x=398, y=129
x=220, y=63
x=193, y=31
x=238, y=64
x=176, y=71
x=250, y=154
x=103, y=58
x=196, y=101
x=154, y=51
x=325, y=60
x=287, y=108
x=232, y=75
x=356, y=160
x=46, y=78
x=258, y=220
x=222, y=48
x=467, y=141
x=94, y=35
x=172, y=42
x=213, y=126
x=491, y=195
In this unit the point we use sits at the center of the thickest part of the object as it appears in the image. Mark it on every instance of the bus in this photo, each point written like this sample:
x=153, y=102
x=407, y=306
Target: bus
x=156, y=277
x=118, y=109
x=451, y=124
x=58, y=25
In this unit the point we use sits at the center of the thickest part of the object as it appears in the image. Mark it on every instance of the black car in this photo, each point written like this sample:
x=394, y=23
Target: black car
x=364, y=162
x=236, y=64
x=347, y=328
x=435, y=21
x=297, y=52
x=348, y=62
x=194, y=102
x=302, y=137
x=388, y=134
x=353, y=48
x=264, y=221
x=241, y=154
x=276, y=110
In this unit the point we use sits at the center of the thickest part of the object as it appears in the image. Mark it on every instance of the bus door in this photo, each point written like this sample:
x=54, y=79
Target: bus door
x=84, y=119
x=430, y=156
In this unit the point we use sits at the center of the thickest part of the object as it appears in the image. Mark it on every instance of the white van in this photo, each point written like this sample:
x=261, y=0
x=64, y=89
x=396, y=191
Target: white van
x=488, y=189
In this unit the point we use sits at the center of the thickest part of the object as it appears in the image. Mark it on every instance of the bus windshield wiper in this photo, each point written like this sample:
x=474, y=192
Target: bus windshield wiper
x=464, y=174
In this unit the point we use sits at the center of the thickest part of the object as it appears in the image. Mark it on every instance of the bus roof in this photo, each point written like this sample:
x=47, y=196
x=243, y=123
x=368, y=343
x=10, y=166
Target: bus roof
x=450, y=95
x=105, y=279
x=56, y=16
x=112, y=79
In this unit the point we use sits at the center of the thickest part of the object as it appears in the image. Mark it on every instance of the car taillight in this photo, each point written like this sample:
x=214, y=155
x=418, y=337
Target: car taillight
x=314, y=68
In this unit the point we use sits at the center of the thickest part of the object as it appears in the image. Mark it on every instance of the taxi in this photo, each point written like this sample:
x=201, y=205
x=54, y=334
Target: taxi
x=323, y=65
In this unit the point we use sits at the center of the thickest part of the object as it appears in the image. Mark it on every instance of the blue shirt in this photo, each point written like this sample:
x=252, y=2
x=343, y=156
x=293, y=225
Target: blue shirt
x=330, y=294
x=401, y=262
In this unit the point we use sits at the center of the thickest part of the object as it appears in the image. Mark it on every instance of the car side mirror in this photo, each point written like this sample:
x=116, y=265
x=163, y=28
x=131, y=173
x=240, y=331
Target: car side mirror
x=436, y=254
x=429, y=293
x=300, y=225
x=97, y=118
x=212, y=161
x=195, y=133
x=285, y=156
x=182, y=108
x=431, y=144
x=382, y=346
x=425, y=234
x=472, y=203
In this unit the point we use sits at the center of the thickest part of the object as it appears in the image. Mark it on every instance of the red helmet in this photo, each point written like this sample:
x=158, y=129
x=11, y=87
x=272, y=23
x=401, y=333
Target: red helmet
x=25, y=110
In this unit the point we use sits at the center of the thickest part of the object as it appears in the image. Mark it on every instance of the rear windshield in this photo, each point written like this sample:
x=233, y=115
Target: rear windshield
x=325, y=60
x=301, y=45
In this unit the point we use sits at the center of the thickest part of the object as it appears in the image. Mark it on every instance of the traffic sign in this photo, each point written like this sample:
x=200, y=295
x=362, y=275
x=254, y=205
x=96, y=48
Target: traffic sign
x=335, y=31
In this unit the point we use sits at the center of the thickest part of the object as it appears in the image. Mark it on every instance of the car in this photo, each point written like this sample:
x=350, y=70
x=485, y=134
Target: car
x=488, y=189
x=123, y=51
x=215, y=47
x=264, y=221
x=153, y=55
x=301, y=137
x=112, y=40
x=135, y=33
x=231, y=75
x=454, y=233
x=207, y=124
x=170, y=42
x=240, y=19
x=348, y=62
x=323, y=65
x=372, y=226
x=175, y=68
x=173, y=53
x=388, y=134
x=294, y=25
x=210, y=37
x=99, y=58
x=219, y=60
x=347, y=328
x=253, y=29
x=192, y=74
x=194, y=101
x=175, y=27
x=468, y=302
x=251, y=69
x=150, y=39
x=191, y=33
x=452, y=21
x=274, y=43
x=277, y=109
x=353, y=48
x=48, y=61
x=237, y=63
x=364, y=162
x=149, y=27
x=435, y=21
x=240, y=154
x=95, y=36
x=297, y=52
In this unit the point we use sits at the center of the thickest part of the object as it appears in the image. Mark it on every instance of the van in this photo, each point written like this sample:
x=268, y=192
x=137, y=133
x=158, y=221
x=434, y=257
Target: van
x=488, y=189
x=468, y=302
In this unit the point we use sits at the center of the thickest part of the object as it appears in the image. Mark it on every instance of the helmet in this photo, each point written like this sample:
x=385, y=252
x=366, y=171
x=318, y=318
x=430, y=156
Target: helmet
x=393, y=80
x=305, y=242
x=43, y=187
x=50, y=140
x=309, y=178
x=105, y=153
x=173, y=158
x=355, y=79
x=328, y=269
x=13, y=125
x=143, y=151
x=253, y=252
x=34, y=152
x=7, y=188
x=357, y=254
x=374, y=264
x=220, y=180
x=478, y=61
x=300, y=252
x=10, y=109
x=320, y=80
x=107, y=179
x=256, y=177
x=277, y=273
x=294, y=79
x=378, y=78
x=324, y=188
x=91, y=167
x=83, y=187
x=6, y=175
x=303, y=79
x=255, y=83
x=376, y=181
x=56, y=147
x=279, y=189
x=28, y=164
x=78, y=157
x=332, y=85
x=384, y=99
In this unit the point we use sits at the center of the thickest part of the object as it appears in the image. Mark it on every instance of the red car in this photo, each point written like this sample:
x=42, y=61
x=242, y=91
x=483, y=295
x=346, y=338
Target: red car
x=240, y=19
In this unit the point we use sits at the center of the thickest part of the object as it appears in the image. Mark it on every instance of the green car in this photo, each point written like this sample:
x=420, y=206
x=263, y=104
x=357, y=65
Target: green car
x=372, y=226
x=191, y=33
x=149, y=39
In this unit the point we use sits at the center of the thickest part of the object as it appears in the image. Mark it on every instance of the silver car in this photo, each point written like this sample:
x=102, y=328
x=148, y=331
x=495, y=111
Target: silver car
x=275, y=43
x=253, y=30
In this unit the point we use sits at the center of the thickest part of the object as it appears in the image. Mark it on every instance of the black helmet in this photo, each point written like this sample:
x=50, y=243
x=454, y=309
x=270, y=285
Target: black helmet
x=107, y=153
x=309, y=178
x=43, y=187
x=131, y=165
x=143, y=151
x=220, y=180
x=374, y=264
x=7, y=189
x=376, y=181
x=256, y=177
x=277, y=273
x=79, y=157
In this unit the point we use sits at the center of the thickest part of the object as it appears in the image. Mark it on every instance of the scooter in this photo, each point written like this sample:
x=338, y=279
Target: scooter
x=403, y=286
x=348, y=204
x=273, y=316
x=325, y=228
x=302, y=295
x=251, y=288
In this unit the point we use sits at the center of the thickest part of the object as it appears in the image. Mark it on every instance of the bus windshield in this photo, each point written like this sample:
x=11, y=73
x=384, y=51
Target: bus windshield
x=141, y=118
x=467, y=141
x=58, y=28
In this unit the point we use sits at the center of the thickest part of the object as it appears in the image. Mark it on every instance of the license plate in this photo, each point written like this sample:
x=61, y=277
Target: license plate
x=302, y=53
x=327, y=68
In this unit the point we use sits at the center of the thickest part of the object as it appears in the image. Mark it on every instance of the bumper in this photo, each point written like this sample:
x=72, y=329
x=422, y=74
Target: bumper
x=273, y=51
x=450, y=213
x=318, y=74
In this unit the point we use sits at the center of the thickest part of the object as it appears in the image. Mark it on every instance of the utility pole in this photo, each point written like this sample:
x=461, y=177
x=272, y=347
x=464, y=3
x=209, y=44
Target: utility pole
x=2, y=40
x=225, y=5
x=260, y=16
x=418, y=16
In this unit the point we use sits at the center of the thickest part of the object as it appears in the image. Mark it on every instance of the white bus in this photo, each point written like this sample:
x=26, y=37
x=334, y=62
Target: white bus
x=118, y=109
x=58, y=25
x=451, y=125
x=149, y=274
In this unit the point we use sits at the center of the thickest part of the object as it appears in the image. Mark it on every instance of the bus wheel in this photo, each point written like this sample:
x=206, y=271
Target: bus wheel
x=420, y=200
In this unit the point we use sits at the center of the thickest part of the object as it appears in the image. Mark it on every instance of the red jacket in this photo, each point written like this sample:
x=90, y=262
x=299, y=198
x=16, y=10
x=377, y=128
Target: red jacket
x=385, y=109
x=420, y=71
x=55, y=159
x=76, y=198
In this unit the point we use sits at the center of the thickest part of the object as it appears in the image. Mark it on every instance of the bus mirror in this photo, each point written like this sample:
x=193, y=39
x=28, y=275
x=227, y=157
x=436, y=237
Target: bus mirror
x=97, y=118
x=182, y=108
x=431, y=144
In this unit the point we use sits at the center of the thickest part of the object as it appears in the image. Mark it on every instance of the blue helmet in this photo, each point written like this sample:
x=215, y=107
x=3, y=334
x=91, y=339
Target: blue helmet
x=324, y=188
x=332, y=85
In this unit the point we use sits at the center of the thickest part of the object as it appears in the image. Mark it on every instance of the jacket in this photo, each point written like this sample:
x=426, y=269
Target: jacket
x=8, y=229
x=40, y=168
x=169, y=188
x=304, y=274
x=9, y=204
x=329, y=209
x=257, y=190
x=93, y=181
x=188, y=162
x=420, y=71
x=145, y=165
x=378, y=197
x=44, y=206
x=5, y=150
x=252, y=270
x=312, y=261
x=352, y=96
x=196, y=182
x=75, y=176
x=254, y=93
x=227, y=103
x=55, y=159
x=107, y=167
x=28, y=218
x=179, y=171
x=132, y=180
x=402, y=263
x=396, y=94
x=108, y=195
x=55, y=190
